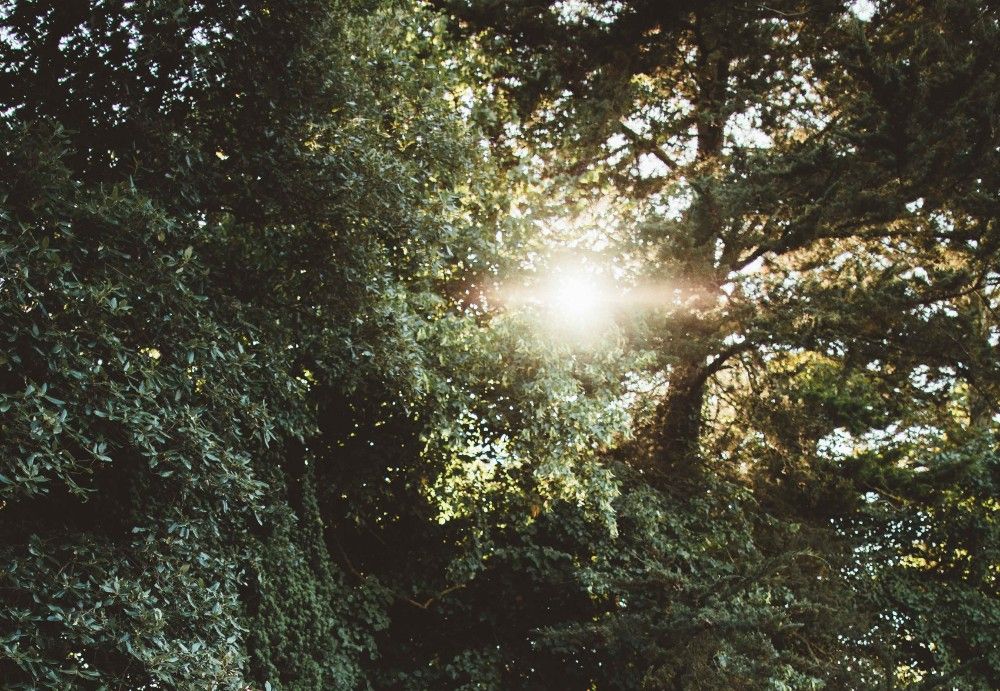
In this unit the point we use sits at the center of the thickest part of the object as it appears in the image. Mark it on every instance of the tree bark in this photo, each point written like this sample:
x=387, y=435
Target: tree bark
x=981, y=405
x=680, y=414
x=680, y=417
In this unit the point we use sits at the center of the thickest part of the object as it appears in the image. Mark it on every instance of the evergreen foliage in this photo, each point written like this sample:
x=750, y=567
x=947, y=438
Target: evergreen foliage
x=267, y=422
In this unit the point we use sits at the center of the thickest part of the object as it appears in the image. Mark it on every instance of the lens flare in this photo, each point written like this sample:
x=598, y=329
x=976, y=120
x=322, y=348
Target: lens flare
x=576, y=299
x=578, y=302
x=572, y=302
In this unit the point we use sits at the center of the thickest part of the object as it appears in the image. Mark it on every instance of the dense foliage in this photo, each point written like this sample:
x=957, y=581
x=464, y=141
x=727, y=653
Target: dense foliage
x=268, y=421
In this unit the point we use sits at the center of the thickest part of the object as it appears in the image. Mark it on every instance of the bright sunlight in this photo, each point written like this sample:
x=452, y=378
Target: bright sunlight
x=577, y=298
x=573, y=300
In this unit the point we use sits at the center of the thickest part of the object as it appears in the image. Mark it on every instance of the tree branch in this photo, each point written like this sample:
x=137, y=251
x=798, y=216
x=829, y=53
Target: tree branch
x=648, y=146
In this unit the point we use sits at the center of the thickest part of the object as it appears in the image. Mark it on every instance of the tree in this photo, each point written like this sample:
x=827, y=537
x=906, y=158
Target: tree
x=775, y=128
x=810, y=188
x=202, y=257
x=263, y=421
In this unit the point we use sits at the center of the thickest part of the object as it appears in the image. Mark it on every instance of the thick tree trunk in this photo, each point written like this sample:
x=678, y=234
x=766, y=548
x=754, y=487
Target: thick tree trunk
x=680, y=414
x=680, y=417
x=981, y=404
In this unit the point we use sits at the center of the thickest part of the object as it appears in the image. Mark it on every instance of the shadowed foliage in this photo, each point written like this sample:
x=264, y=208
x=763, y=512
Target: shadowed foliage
x=267, y=422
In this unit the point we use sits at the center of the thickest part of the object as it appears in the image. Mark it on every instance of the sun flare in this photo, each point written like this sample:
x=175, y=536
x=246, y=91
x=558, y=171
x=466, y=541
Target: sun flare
x=576, y=298
x=571, y=301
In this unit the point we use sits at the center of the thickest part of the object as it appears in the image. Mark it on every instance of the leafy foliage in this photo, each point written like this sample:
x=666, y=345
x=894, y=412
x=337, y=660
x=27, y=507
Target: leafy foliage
x=265, y=422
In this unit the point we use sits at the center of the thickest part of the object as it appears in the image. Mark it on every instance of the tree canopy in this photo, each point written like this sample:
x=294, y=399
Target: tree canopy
x=499, y=344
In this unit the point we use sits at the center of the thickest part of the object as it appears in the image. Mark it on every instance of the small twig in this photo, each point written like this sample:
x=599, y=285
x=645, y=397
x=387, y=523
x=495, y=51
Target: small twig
x=783, y=14
x=648, y=146
x=429, y=601
x=421, y=605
